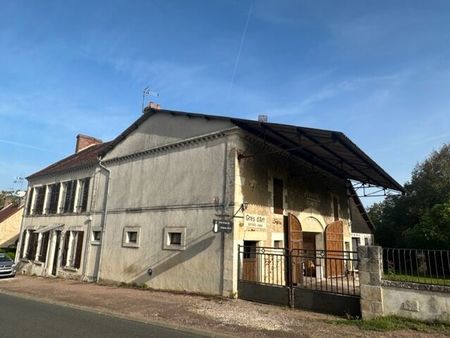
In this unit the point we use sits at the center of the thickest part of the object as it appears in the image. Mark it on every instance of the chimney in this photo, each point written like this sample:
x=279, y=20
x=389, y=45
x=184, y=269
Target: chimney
x=262, y=118
x=154, y=105
x=84, y=141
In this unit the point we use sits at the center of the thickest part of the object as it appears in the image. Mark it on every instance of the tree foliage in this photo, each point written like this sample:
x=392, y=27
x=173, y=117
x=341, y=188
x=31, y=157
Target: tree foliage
x=421, y=217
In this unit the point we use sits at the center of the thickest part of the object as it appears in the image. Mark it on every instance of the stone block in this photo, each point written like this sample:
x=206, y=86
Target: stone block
x=370, y=292
x=410, y=305
x=371, y=309
x=375, y=278
x=364, y=278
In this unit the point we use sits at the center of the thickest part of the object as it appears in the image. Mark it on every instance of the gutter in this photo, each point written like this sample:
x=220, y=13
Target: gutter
x=105, y=213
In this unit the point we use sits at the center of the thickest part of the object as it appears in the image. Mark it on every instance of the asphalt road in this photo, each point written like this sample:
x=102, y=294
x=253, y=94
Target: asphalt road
x=20, y=317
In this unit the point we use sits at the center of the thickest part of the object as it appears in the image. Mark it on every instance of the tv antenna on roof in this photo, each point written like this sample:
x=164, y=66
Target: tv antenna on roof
x=146, y=93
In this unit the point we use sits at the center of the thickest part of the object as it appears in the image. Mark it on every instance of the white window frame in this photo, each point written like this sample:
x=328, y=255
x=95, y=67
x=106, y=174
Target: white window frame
x=166, y=238
x=125, y=242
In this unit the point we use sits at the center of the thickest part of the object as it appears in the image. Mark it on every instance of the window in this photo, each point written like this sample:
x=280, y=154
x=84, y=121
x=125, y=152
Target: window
x=30, y=201
x=72, y=250
x=84, y=194
x=278, y=196
x=174, y=238
x=336, y=208
x=278, y=244
x=44, y=247
x=96, y=235
x=250, y=249
x=366, y=241
x=69, y=200
x=54, y=197
x=39, y=204
x=131, y=237
x=32, y=245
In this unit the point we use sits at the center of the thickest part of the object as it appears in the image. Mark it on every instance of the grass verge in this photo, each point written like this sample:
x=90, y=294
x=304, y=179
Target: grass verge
x=393, y=323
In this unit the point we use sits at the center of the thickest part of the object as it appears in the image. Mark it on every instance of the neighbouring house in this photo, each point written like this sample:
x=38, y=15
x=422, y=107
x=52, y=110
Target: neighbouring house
x=362, y=226
x=141, y=209
x=10, y=219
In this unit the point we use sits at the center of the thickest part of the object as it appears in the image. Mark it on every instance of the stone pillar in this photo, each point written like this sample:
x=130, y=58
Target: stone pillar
x=370, y=272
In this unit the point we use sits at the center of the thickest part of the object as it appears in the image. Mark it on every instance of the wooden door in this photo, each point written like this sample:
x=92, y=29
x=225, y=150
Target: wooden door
x=250, y=264
x=295, y=245
x=334, y=245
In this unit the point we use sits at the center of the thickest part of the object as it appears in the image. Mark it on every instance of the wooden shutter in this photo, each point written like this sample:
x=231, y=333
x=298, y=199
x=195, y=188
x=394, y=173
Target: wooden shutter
x=84, y=200
x=295, y=237
x=334, y=244
x=65, y=248
x=44, y=247
x=77, y=262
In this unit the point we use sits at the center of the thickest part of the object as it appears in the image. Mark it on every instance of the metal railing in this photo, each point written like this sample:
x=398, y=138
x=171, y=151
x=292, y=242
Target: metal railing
x=327, y=271
x=430, y=267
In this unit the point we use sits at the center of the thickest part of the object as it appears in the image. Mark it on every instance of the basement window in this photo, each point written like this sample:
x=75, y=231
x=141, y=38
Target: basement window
x=174, y=238
x=96, y=235
x=131, y=237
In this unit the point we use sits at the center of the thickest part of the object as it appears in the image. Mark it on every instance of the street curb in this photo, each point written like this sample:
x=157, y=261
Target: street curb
x=161, y=324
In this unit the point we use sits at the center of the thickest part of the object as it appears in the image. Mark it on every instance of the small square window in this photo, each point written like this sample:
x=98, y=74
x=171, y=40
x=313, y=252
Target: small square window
x=174, y=238
x=96, y=235
x=278, y=244
x=131, y=235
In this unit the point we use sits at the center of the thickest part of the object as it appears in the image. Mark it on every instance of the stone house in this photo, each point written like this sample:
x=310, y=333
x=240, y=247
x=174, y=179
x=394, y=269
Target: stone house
x=140, y=209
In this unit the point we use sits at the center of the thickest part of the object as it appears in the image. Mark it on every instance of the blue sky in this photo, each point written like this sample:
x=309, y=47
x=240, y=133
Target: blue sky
x=378, y=71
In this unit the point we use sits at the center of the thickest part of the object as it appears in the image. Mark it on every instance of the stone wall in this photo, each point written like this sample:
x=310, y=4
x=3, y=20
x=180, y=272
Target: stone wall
x=381, y=297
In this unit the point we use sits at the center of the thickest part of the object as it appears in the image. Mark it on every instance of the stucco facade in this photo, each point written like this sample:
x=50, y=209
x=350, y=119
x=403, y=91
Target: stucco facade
x=153, y=193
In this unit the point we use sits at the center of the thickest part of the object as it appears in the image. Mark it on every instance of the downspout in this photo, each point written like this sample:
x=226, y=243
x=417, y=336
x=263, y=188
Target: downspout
x=224, y=207
x=105, y=213
x=19, y=252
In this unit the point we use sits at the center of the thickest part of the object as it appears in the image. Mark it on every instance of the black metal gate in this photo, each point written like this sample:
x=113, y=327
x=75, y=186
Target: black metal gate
x=328, y=280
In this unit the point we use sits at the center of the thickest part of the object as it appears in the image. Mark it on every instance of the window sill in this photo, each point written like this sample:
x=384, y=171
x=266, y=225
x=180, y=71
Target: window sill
x=96, y=243
x=71, y=269
x=38, y=262
x=175, y=247
x=130, y=245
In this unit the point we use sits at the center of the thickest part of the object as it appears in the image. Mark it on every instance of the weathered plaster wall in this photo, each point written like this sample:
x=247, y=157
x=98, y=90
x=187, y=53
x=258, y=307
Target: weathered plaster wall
x=163, y=128
x=307, y=192
x=73, y=221
x=417, y=304
x=183, y=186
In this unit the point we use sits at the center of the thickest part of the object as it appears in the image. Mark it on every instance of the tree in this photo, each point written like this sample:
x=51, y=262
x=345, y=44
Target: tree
x=421, y=218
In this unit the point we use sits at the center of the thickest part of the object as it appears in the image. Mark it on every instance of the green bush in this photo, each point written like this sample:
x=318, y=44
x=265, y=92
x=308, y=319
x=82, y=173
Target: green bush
x=11, y=253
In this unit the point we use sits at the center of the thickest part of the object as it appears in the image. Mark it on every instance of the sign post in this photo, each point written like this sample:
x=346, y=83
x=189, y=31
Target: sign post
x=222, y=226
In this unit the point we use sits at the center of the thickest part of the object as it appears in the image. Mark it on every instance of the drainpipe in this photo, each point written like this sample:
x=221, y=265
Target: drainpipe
x=105, y=212
x=19, y=252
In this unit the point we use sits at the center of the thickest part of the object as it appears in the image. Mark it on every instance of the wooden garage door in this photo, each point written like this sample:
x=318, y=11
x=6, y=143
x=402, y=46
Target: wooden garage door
x=334, y=244
x=295, y=236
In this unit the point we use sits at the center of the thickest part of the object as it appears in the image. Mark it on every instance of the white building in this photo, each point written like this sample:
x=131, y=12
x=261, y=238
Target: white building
x=140, y=209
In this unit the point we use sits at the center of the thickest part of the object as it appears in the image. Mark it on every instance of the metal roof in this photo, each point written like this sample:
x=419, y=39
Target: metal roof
x=329, y=150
